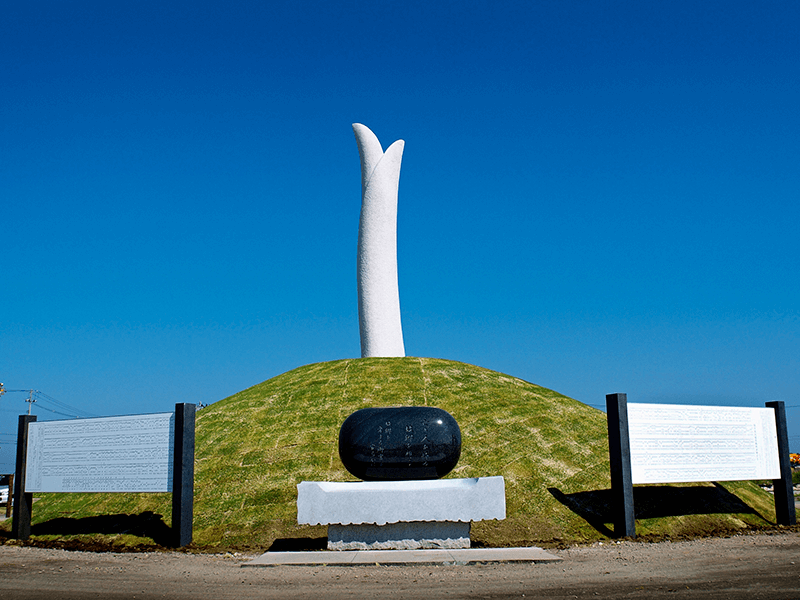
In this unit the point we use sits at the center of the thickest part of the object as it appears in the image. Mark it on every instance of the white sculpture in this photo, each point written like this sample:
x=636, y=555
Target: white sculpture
x=378, y=294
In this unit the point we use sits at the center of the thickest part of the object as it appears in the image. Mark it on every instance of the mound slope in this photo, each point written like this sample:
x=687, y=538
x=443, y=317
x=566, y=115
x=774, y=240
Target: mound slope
x=270, y=437
x=253, y=448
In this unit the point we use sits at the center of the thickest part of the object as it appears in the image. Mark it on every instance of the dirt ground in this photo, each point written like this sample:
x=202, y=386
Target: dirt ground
x=744, y=566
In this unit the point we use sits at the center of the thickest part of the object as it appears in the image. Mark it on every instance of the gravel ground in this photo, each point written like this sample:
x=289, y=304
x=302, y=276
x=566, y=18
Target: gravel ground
x=745, y=566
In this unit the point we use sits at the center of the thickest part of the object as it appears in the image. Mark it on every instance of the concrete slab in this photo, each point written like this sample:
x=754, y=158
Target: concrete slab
x=390, y=557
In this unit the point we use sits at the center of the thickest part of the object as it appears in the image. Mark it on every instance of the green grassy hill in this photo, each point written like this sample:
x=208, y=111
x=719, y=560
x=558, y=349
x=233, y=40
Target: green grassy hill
x=253, y=448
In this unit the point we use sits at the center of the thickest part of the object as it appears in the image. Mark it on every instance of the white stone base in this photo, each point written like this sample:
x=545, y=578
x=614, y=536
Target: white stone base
x=399, y=536
x=381, y=502
x=400, y=515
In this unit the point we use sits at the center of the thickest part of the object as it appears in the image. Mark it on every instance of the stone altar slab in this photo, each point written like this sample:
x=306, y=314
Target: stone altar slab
x=382, y=502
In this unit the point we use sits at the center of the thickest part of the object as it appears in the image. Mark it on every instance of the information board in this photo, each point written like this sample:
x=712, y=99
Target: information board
x=676, y=443
x=109, y=454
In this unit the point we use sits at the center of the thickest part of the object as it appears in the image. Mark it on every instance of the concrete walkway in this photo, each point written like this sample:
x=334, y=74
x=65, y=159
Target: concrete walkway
x=389, y=557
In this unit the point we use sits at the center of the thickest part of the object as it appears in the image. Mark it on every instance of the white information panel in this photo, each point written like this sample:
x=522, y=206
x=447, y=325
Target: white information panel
x=673, y=443
x=109, y=454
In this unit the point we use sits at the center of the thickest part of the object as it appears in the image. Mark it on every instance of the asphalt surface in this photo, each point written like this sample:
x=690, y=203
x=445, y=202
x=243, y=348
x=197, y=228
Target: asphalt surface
x=746, y=566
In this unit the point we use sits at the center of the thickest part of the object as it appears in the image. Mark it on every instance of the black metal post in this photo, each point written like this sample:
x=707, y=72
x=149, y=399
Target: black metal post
x=10, y=495
x=785, y=513
x=619, y=454
x=183, y=475
x=23, y=502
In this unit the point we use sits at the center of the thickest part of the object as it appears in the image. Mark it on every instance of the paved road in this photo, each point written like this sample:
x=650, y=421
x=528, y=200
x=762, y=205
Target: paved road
x=749, y=566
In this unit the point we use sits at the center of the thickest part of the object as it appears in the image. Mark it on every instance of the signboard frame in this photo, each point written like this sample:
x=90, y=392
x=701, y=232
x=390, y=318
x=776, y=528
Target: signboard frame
x=84, y=442
x=622, y=480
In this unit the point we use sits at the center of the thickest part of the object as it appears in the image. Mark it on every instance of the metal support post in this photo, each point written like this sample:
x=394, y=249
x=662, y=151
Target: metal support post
x=23, y=502
x=183, y=475
x=785, y=513
x=619, y=454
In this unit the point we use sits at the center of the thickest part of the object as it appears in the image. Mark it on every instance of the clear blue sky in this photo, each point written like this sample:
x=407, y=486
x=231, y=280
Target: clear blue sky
x=596, y=197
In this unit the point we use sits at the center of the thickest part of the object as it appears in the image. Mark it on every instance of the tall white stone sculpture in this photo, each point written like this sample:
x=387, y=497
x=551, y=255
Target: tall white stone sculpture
x=378, y=294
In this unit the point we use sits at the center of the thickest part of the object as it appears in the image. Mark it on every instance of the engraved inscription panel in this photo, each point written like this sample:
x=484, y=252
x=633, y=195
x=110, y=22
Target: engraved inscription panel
x=399, y=443
x=673, y=443
x=110, y=454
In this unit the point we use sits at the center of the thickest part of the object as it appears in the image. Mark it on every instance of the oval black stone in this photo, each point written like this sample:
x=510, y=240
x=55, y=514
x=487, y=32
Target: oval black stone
x=399, y=443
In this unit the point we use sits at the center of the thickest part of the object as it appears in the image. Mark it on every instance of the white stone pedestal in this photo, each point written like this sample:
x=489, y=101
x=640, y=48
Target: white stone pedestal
x=370, y=515
x=419, y=535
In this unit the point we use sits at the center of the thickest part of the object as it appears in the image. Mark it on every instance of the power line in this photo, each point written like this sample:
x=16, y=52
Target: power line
x=59, y=413
x=35, y=396
x=63, y=405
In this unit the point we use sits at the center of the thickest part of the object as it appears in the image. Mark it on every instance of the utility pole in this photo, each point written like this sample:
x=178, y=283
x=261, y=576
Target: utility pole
x=30, y=401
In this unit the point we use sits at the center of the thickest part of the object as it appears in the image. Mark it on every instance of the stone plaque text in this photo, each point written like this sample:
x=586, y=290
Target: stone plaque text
x=109, y=454
x=673, y=443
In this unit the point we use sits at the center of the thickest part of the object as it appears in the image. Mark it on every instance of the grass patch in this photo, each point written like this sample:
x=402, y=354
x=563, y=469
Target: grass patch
x=253, y=448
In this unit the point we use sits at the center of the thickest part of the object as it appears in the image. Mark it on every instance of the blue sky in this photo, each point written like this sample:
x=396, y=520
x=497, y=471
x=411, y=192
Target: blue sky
x=595, y=197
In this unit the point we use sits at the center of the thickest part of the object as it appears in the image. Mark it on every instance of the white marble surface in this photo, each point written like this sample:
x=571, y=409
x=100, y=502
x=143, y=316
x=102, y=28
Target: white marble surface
x=378, y=293
x=131, y=453
x=683, y=443
x=381, y=502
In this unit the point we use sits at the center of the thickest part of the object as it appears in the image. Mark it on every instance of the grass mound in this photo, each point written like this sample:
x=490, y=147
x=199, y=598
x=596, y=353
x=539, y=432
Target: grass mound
x=253, y=448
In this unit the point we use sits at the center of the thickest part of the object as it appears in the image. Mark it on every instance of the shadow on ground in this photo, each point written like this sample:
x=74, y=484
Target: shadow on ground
x=653, y=502
x=147, y=525
x=298, y=544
